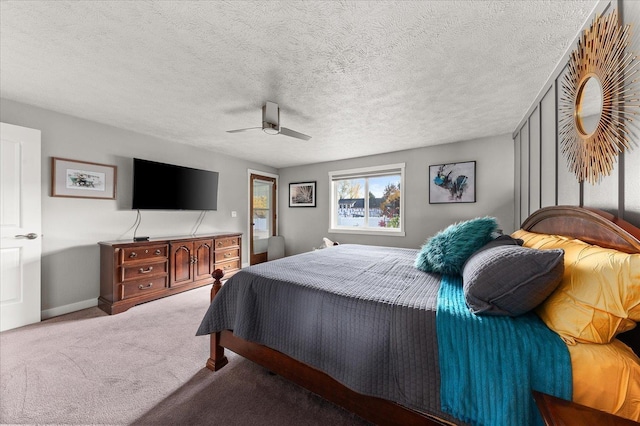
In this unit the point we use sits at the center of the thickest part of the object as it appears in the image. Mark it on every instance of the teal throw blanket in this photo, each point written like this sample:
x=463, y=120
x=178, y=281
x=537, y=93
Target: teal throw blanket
x=490, y=364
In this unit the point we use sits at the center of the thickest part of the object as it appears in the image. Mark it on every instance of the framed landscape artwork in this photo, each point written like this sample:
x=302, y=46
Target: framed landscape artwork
x=302, y=194
x=81, y=179
x=452, y=183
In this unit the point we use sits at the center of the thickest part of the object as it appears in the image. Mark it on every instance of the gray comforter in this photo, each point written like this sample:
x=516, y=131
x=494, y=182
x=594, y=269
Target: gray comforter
x=362, y=314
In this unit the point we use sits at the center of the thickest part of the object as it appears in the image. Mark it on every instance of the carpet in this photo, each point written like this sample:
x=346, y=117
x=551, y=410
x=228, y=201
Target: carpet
x=143, y=367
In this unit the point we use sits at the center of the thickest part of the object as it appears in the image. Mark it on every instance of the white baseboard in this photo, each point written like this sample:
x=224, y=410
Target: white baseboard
x=61, y=310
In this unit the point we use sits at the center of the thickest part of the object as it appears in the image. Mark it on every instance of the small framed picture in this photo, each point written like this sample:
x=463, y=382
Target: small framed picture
x=452, y=183
x=302, y=194
x=82, y=179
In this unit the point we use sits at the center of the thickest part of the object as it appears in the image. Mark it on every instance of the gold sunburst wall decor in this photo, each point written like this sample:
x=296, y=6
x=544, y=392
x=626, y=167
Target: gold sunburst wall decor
x=593, y=132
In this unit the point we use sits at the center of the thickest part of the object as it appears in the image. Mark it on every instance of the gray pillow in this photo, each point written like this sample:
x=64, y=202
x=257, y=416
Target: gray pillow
x=510, y=279
x=502, y=240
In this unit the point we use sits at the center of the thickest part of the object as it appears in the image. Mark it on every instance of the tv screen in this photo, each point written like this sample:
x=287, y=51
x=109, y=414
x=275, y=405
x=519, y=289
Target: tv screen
x=160, y=186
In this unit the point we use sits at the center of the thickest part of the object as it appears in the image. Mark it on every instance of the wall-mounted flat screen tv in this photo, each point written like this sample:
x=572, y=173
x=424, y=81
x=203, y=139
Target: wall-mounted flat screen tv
x=160, y=186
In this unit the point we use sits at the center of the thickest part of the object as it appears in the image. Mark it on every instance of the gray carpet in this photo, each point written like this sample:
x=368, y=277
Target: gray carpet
x=143, y=367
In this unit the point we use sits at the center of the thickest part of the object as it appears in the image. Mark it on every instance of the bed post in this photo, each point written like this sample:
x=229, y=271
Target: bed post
x=217, y=359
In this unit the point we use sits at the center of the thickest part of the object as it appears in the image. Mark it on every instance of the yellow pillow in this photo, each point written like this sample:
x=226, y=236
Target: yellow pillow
x=599, y=295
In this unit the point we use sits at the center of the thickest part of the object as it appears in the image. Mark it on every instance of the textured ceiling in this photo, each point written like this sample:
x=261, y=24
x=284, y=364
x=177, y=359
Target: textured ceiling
x=360, y=77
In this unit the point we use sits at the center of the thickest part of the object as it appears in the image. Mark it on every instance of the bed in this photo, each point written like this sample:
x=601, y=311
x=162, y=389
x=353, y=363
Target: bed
x=319, y=344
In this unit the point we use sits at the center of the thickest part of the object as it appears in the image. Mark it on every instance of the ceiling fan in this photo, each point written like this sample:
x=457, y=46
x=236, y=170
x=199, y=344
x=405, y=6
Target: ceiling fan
x=271, y=123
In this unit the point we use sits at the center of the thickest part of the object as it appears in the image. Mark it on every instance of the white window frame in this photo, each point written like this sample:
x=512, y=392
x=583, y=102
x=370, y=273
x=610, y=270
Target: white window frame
x=366, y=172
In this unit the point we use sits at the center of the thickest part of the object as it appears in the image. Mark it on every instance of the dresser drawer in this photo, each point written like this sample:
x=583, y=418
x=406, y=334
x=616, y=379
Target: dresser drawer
x=226, y=242
x=142, y=287
x=222, y=255
x=141, y=270
x=228, y=266
x=130, y=254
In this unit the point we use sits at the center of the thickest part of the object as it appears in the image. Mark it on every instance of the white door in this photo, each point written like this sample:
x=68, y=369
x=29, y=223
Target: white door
x=20, y=225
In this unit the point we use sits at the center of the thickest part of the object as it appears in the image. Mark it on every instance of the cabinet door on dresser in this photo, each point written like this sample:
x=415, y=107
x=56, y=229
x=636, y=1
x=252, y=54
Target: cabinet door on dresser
x=191, y=261
x=203, y=265
x=181, y=263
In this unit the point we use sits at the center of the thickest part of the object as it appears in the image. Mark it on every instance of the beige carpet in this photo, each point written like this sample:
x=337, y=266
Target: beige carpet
x=146, y=367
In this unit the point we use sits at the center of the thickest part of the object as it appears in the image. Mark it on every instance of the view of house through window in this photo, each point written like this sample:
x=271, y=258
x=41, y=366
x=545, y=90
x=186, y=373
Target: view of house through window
x=367, y=199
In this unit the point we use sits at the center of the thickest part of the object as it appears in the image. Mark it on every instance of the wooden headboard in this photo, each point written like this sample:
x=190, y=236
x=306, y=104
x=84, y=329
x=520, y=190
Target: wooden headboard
x=592, y=226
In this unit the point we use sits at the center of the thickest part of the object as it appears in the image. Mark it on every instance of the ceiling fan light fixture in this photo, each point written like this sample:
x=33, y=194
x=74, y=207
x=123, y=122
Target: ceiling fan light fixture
x=270, y=129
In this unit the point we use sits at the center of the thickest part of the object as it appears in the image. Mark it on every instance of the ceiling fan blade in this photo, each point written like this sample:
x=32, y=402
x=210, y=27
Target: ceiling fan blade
x=294, y=134
x=243, y=130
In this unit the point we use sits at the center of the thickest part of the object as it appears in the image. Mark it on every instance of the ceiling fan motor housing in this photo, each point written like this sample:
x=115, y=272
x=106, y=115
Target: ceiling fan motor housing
x=271, y=118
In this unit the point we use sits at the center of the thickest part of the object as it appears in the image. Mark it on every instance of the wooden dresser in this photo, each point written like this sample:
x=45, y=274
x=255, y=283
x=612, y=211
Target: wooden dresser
x=137, y=272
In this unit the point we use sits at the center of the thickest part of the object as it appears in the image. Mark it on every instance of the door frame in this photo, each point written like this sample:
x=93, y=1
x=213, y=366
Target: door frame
x=249, y=215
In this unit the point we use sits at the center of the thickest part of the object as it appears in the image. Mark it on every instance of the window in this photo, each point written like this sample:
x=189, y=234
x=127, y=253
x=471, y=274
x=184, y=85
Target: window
x=368, y=200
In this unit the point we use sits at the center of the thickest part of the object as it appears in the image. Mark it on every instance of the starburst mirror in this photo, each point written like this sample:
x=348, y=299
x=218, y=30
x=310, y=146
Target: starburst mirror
x=598, y=100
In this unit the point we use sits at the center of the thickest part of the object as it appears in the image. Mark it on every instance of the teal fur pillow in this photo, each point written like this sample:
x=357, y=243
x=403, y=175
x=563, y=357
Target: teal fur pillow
x=446, y=251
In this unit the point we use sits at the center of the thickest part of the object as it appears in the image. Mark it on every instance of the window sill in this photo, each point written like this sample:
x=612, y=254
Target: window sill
x=366, y=232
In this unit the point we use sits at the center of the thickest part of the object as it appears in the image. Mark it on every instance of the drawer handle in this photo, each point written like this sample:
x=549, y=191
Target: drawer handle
x=227, y=255
x=146, y=271
x=148, y=286
x=158, y=252
x=219, y=243
x=133, y=254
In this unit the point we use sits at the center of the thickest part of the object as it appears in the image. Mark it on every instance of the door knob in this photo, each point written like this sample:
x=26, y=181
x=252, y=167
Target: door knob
x=30, y=236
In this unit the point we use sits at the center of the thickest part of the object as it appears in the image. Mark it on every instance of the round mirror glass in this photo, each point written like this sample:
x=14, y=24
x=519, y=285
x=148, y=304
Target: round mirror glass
x=589, y=105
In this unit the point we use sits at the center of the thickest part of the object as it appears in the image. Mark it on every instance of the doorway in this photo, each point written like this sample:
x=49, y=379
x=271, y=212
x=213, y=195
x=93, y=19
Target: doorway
x=262, y=215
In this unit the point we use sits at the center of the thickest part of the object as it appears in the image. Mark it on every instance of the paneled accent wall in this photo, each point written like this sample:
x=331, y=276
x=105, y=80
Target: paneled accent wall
x=542, y=177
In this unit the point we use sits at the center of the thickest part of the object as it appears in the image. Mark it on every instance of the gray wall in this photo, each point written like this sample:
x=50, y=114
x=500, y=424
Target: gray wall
x=72, y=227
x=631, y=168
x=542, y=177
x=303, y=228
